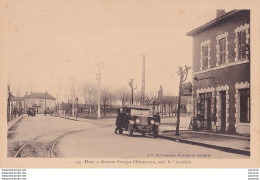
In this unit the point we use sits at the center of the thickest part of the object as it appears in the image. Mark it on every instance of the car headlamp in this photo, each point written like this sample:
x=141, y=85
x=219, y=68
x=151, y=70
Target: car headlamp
x=152, y=121
x=137, y=121
x=157, y=123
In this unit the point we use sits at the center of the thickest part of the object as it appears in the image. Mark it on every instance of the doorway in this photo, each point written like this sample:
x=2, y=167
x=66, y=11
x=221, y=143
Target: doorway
x=205, y=110
x=223, y=110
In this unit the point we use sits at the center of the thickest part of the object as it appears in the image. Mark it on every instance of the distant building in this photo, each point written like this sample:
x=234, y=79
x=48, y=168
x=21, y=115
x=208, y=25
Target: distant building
x=221, y=73
x=40, y=101
x=14, y=105
x=167, y=105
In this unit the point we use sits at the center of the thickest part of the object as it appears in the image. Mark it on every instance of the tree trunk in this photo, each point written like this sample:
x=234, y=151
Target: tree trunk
x=179, y=106
x=169, y=110
x=104, y=109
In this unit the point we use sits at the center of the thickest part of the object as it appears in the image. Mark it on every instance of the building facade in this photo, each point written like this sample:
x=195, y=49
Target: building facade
x=38, y=100
x=221, y=73
x=168, y=105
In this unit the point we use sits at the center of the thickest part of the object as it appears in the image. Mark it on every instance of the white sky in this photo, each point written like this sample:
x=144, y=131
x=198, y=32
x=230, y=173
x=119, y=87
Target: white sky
x=56, y=40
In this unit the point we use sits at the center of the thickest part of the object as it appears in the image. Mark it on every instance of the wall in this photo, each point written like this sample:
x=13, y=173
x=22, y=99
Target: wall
x=227, y=75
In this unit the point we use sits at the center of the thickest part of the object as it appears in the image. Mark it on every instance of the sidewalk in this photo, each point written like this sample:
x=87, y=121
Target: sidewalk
x=13, y=121
x=224, y=142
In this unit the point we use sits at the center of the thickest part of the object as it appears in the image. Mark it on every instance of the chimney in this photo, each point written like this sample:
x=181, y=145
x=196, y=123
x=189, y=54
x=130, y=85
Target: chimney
x=220, y=12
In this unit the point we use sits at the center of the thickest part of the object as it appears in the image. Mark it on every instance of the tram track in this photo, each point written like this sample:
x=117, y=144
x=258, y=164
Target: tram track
x=53, y=143
x=58, y=135
x=20, y=150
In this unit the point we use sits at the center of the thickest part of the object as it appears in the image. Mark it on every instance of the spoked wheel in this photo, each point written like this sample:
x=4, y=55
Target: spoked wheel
x=130, y=130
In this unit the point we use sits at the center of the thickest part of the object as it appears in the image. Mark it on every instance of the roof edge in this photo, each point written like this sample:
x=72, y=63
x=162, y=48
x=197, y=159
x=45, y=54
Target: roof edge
x=211, y=23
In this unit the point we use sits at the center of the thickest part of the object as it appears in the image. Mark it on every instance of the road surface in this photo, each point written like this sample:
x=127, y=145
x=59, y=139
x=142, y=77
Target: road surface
x=48, y=136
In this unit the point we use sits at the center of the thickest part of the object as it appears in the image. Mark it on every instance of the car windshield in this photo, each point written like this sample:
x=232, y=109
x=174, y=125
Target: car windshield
x=138, y=112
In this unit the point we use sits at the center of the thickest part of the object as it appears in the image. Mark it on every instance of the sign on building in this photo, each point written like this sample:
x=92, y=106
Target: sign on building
x=187, y=89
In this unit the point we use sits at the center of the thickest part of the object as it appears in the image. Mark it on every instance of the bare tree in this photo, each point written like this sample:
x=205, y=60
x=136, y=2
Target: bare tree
x=147, y=100
x=107, y=98
x=154, y=100
x=138, y=97
x=123, y=95
x=89, y=92
x=183, y=76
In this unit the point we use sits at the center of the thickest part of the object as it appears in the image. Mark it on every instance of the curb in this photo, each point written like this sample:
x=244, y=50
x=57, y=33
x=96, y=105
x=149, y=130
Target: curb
x=214, y=134
x=221, y=148
x=68, y=118
x=14, y=122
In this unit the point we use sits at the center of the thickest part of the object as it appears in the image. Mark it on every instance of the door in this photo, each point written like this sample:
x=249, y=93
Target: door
x=208, y=113
x=223, y=110
x=205, y=110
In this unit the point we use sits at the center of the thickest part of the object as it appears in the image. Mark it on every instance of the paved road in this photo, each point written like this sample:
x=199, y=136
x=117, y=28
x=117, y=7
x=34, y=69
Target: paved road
x=95, y=139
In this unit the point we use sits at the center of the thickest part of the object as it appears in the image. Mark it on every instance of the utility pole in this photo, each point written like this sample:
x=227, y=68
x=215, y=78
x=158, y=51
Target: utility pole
x=98, y=79
x=59, y=99
x=73, y=96
x=131, y=84
x=143, y=82
x=76, y=102
x=183, y=76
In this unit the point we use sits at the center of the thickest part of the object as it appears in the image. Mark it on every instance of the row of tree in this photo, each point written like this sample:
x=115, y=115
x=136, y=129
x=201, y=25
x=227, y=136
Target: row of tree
x=108, y=97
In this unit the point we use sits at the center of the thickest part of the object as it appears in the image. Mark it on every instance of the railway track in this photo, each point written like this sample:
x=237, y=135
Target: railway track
x=59, y=135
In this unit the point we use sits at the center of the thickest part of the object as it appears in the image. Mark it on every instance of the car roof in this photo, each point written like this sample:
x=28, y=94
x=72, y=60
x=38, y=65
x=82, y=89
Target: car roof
x=139, y=107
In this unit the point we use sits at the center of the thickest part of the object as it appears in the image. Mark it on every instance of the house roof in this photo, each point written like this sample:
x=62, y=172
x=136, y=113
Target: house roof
x=40, y=96
x=212, y=23
x=17, y=98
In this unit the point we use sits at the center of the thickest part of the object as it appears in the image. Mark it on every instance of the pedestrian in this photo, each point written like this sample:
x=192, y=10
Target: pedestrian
x=157, y=117
x=118, y=121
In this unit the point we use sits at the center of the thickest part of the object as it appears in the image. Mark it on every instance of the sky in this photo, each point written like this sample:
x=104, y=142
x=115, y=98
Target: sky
x=54, y=41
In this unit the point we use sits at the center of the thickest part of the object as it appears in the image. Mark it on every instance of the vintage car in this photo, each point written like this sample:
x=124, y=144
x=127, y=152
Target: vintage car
x=47, y=111
x=31, y=112
x=134, y=118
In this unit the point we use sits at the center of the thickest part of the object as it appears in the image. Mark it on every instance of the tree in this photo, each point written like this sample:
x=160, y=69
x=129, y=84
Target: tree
x=154, y=100
x=138, y=97
x=89, y=92
x=183, y=76
x=147, y=100
x=107, y=98
x=123, y=95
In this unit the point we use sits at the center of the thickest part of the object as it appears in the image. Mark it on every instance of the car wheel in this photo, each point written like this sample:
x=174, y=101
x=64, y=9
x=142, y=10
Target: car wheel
x=156, y=132
x=130, y=130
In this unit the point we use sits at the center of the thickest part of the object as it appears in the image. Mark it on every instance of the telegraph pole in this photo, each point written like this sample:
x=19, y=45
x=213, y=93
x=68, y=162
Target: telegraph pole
x=98, y=79
x=58, y=101
x=183, y=76
x=143, y=82
x=73, y=95
x=131, y=84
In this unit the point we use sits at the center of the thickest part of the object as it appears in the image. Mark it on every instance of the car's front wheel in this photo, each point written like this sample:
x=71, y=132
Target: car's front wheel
x=130, y=130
